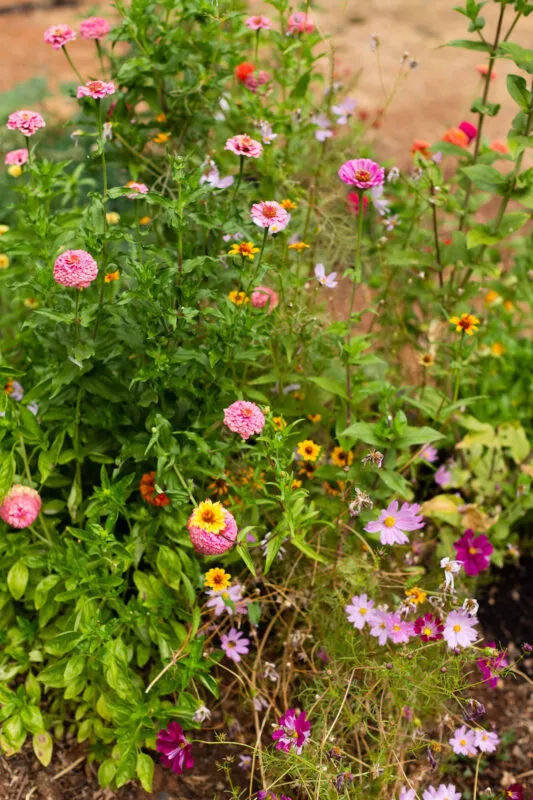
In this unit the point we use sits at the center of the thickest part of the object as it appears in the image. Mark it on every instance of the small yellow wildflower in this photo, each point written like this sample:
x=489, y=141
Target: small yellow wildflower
x=217, y=579
x=288, y=205
x=491, y=297
x=244, y=249
x=145, y=220
x=112, y=276
x=162, y=117
x=314, y=417
x=238, y=298
x=3, y=229
x=279, y=423
x=341, y=458
x=14, y=170
x=209, y=517
x=497, y=349
x=161, y=138
x=4, y=261
x=416, y=595
x=466, y=323
x=112, y=217
x=296, y=484
x=299, y=246
x=427, y=360
x=31, y=302
x=309, y=450
x=508, y=306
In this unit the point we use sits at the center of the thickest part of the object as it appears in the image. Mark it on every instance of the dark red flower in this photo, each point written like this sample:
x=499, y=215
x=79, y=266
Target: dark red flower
x=174, y=748
x=429, y=628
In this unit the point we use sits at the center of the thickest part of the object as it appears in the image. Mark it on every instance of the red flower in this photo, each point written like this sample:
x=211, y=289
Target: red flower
x=422, y=147
x=244, y=70
x=148, y=493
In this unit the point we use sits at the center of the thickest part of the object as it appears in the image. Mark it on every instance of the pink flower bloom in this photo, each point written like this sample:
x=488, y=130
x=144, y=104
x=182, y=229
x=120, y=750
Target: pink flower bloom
x=212, y=544
x=429, y=453
x=96, y=89
x=359, y=611
x=244, y=418
x=474, y=552
x=259, y=23
x=229, y=600
x=459, y=629
x=393, y=522
x=16, y=157
x=75, y=268
x=211, y=175
x=21, y=506
x=429, y=628
x=271, y=215
x=378, y=625
x=399, y=630
x=490, y=667
x=94, y=28
x=244, y=145
x=353, y=201
x=442, y=792
x=26, y=122
x=407, y=794
x=293, y=733
x=463, y=742
x=138, y=189
x=362, y=172
x=234, y=645
x=264, y=296
x=469, y=129
x=329, y=281
x=323, y=124
x=300, y=22
x=443, y=476
x=59, y=35
x=486, y=741
x=344, y=110
x=174, y=748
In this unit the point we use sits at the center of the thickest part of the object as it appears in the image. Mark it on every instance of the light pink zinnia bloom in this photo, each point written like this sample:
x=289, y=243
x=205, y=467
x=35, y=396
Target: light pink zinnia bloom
x=362, y=172
x=26, y=122
x=21, y=506
x=59, y=35
x=96, y=89
x=138, y=189
x=16, y=157
x=487, y=741
x=300, y=22
x=359, y=611
x=244, y=145
x=399, y=630
x=271, y=215
x=463, y=742
x=213, y=544
x=265, y=296
x=459, y=629
x=244, y=418
x=259, y=23
x=393, y=522
x=75, y=268
x=94, y=28
x=329, y=281
x=378, y=625
x=234, y=644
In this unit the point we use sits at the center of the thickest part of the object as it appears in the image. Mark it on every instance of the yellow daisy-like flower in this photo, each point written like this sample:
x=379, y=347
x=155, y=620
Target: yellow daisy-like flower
x=427, y=360
x=309, y=450
x=299, y=246
x=209, y=517
x=307, y=470
x=14, y=170
x=314, y=417
x=112, y=217
x=145, y=220
x=162, y=117
x=238, y=298
x=296, y=484
x=31, y=302
x=466, y=323
x=491, y=297
x=244, y=249
x=341, y=458
x=219, y=486
x=4, y=261
x=217, y=579
x=288, y=205
x=416, y=595
x=279, y=423
x=497, y=349
x=3, y=229
x=161, y=138
x=112, y=276
x=508, y=306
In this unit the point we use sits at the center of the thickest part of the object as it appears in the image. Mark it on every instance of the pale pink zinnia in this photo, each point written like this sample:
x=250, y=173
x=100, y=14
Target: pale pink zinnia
x=75, y=268
x=96, y=89
x=138, y=189
x=244, y=418
x=59, y=35
x=459, y=629
x=271, y=215
x=259, y=23
x=94, y=28
x=26, y=122
x=265, y=296
x=362, y=172
x=244, y=145
x=16, y=157
x=300, y=22
x=212, y=544
x=21, y=506
x=393, y=522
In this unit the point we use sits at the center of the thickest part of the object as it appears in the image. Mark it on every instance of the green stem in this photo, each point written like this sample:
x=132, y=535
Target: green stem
x=458, y=369
x=76, y=314
x=255, y=270
x=185, y=486
x=67, y=56
x=100, y=55
x=237, y=185
x=356, y=281
x=476, y=776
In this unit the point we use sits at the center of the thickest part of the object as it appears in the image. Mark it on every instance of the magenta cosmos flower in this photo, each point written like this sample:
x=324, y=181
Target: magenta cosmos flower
x=393, y=522
x=234, y=644
x=463, y=742
x=16, y=157
x=21, y=506
x=94, y=28
x=293, y=733
x=26, y=122
x=75, y=268
x=460, y=629
x=244, y=418
x=259, y=23
x=96, y=89
x=271, y=215
x=59, y=35
x=362, y=172
x=359, y=611
x=138, y=189
x=300, y=22
x=212, y=528
x=174, y=748
x=264, y=296
x=429, y=628
x=474, y=552
x=244, y=145
x=490, y=667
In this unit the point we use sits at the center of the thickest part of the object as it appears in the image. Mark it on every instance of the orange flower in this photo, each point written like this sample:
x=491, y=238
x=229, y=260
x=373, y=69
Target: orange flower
x=296, y=484
x=422, y=147
x=499, y=146
x=497, y=349
x=491, y=297
x=427, y=360
x=243, y=70
x=161, y=138
x=288, y=205
x=145, y=220
x=456, y=136
x=162, y=117
x=148, y=493
x=244, y=249
x=508, y=306
x=483, y=70
x=238, y=298
x=279, y=423
x=314, y=417
x=466, y=323
x=299, y=246
x=112, y=276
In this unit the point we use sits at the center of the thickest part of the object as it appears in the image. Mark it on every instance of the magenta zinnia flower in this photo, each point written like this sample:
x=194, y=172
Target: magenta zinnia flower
x=26, y=122
x=362, y=172
x=16, y=157
x=75, y=268
x=293, y=733
x=21, y=506
x=234, y=644
x=271, y=215
x=59, y=35
x=459, y=629
x=429, y=628
x=96, y=89
x=393, y=522
x=469, y=129
x=244, y=418
x=94, y=28
x=259, y=23
x=174, y=748
x=244, y=145
x=490, y=667
x=264, y=296
x=474, y=552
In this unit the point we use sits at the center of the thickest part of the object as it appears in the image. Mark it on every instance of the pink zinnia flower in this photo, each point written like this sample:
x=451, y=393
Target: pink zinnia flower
x=259, y=23
x=469, y=129
x=94, y=28
x=16, y=157
x=293, y=733
x=300, y=22
x=75, y=268
x=474, y=552
x=490, y=667
x=459, y=629
x=96, y=89
x=264, y=296
x=399, y=630
x=209, y=543
x=486, y=741
x=21, y=506
x=26, y=122
x=359, y=611
x=244, y=418
x=378, y=625
x=138, y=189
x=463, y=742
x=229, y=600
x=329, y=281
x=429, y=628
x=271, y=215
x=59, y=35
x=174, y=748
x=393, y=522
x=234, y=644
x=244, y=145
x=362, y=172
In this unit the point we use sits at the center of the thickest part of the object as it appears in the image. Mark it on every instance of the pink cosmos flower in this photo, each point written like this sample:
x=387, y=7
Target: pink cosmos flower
x=244, y=418
x=443, y=476
x=59, y=35
x=16, y=157
x=407, y=794
x=244, y=145
x=393, y=522
x=271, y=215
x=474, y=552
x=229, y=600
x=211, y=175
x=486, y=741
x=378, y=625
x=259, y=23
x=399, y=630
x=96, y=89
x=264, y=296
x=463, y=742
x=300, y=22
x=21, y=506
x=293, y=733
x=329, y=281
x=469, y=129
x=94, y=28
x=26, y=122
x=429, y=453
x=323, y=123
x=459, y=629
x=344, y=110
x=75, y=268
x=174, y=748
x=362, y=172
x=234, y=644
x=212, y=544
x=429, y=628
x=442, y=792
x=490, y=667
x=359, y=611
x=138, y=189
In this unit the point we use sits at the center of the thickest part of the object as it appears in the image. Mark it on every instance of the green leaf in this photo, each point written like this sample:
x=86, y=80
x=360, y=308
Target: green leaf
x=7, y=473
x=145, y=771
x=307, y=550
x=365, y=432
x=43, y=587
x=522, y=58
x=517, y=88
x=32, y=718
x=413, y=436
x=301, y=87
x=106, y=772
x=484, y=235
x=42, y=747
x=487, y=178
x=513, y=435
x=17, y=579
x=467, y=44
x=396, y=482
x=331, y=385
x=243, y=551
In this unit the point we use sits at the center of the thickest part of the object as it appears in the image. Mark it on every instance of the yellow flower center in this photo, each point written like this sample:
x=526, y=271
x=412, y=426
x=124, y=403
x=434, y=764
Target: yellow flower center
x=209, y=516
x=427, y=631
x=472, y=551
x=362, y=175
x=457, y=628
x=389, y=522
x=363, y=611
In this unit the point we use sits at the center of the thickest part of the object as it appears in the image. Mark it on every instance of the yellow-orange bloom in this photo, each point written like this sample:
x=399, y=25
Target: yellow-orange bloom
x=162, y=117
x=288, y=205
x=314, y=417
x=341, y=458
x=112, y=276
x=238, y=298
x=491, y=297
x=209, y=517
x=112, y=217
x=427, y=360
x=4, y=261
x=145, y=220
x=279, y=423
x=466, y=323
x=309, y=450
x=456, y=136
x=3, y=229
x=497, y=349
x=416, y=595
x=244, y=249
x=508, y=306
x=31, y=302
x=217, y=579
x=296, y=484
x=14, y=170
x=161, y=138
x=299, y=246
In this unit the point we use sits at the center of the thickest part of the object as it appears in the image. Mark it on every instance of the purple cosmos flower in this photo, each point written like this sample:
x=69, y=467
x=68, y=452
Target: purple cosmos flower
x=442, y=792
x=380, y=203
x=211, y=175
x=362, y=172
x=399, y=630
x=429, y=628
x=234, y=644
x=393, y=522
x=459, y=629
x=229, y=600
x=359, y=611
x=474, y=552
x=429, y=453
x=443, y=476
x=407, y=794
x=486, y=741
x=245, y=761
x=329, y=281
x=267, y=134
x=463, y=742
x=293, y=733
x=344, y=110
x=378, y=626
x=174, y=748
x=490, y=667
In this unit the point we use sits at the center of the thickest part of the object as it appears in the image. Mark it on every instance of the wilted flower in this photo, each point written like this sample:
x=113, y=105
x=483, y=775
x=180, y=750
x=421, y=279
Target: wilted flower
x=211, y=175
x=450, y=568
x=271, y=672
x=473, y=710
x=201, y=714
x=374, y=457
x=362, y=500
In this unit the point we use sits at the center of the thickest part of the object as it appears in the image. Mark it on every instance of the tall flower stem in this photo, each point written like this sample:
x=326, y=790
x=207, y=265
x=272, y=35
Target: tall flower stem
x=77, y=313
x=436, y=234
x=239, y=179
x=100, y=55
x=458, y=369
x=67, y=56
x=356, y=280
x=255, y=270
x=257, y=46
